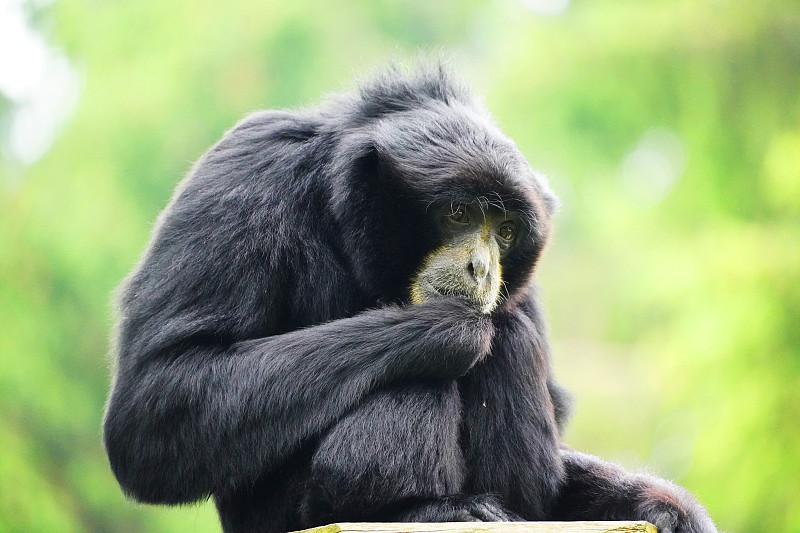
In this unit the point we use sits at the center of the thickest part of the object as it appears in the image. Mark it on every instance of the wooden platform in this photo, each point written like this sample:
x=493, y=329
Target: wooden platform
x=486, y=527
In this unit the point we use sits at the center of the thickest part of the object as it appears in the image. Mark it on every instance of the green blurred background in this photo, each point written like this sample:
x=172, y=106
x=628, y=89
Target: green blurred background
x=670, y=130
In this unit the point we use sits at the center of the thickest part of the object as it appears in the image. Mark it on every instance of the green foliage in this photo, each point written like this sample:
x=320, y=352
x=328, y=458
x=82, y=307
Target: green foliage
x=671, y=130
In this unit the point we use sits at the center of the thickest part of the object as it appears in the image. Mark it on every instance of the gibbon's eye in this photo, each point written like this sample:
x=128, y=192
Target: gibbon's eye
x=458, y=215
x=506, y=233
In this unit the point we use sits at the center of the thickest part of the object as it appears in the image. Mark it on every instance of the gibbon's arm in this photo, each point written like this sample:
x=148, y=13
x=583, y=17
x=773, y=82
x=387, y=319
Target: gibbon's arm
x=594, y=489
x=192, y=417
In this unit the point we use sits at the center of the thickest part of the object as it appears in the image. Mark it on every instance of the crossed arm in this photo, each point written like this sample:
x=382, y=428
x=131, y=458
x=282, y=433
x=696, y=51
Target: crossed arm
x=188, y=417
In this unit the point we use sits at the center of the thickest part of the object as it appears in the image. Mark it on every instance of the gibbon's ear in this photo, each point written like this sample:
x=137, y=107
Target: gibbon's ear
x=368, y=166
x=375, y=165
x=356, y=168
x=363, y=172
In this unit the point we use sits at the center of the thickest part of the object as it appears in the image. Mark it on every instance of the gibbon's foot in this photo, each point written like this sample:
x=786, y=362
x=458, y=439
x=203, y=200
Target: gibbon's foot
x=479, y=508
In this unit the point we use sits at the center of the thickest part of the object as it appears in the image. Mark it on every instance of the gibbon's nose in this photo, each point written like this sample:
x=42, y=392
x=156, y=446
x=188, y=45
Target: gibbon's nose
x=478, y=266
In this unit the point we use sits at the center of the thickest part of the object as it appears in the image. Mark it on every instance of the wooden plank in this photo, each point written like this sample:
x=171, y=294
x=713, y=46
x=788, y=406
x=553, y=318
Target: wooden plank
x=486, y=527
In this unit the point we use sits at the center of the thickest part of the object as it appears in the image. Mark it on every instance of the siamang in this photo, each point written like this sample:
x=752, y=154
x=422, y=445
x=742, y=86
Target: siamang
x=336, y=320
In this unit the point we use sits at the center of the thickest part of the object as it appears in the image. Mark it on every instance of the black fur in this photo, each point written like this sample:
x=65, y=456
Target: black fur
x=267, y=354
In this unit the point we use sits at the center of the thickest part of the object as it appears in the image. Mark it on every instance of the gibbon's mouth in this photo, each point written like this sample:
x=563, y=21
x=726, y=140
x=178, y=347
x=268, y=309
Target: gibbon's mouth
x=427, y=291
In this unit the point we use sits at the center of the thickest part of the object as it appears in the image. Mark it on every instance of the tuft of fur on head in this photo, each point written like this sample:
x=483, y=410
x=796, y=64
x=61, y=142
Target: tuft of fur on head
x=397, y=89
